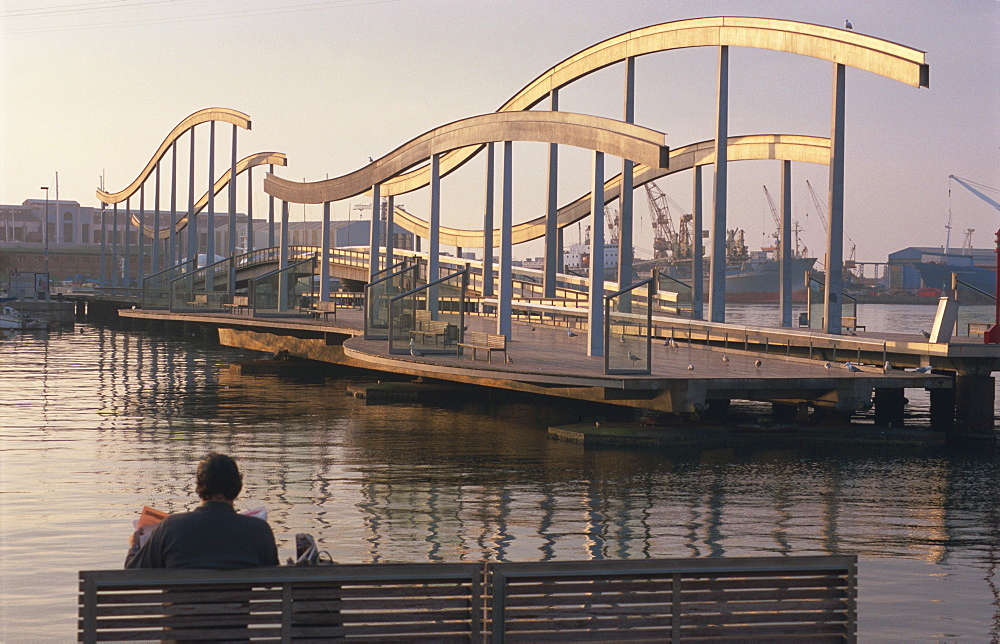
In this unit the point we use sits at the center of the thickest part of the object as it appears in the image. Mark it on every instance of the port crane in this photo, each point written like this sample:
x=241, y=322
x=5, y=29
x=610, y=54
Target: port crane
x=667, y=242
x=821, y=211
x=972, y=187
x=800, y=251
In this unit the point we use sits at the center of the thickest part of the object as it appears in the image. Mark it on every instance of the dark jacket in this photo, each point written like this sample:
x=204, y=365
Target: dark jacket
x=212, y=536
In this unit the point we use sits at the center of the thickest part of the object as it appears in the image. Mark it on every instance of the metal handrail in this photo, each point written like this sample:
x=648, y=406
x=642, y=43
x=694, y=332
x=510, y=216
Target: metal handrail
x=650, y=284
x=461, y=305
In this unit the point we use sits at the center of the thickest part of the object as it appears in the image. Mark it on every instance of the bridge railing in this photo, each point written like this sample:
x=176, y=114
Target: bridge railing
x=815, y=296
x=285, y=291
x=628, y=335
x=977, y=310
x=205, y=289
x=429, y=318
x=379, y=292
x=156, y=287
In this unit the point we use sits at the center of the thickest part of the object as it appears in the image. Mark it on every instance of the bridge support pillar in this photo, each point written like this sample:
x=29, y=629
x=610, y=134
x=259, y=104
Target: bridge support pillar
x=625, y=199
x=552, y=212
x=890, y=405
x=974, y=406
x=373, y=237
x=790, y=412
x=488, y=223
x=717, y=273
x=192, y=224
x=832, y=303
x=942, y=410
x=324, y=256
x=434, y=241
x=595, y=317
x=210, y=244
x=697, y=248
x=785, y=251
x=283, y=259
x=504, y=308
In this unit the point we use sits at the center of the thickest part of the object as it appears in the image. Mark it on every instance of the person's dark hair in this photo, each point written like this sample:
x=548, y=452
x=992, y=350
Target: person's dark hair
x=218, y=474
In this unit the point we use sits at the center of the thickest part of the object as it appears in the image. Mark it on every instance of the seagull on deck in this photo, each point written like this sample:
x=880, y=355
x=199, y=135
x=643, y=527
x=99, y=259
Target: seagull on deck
x=725, y=359
x=670, y=342
x=570, y=333
x=416, y=353
x=631, y=356
x=622, y=339
x=757, y=363
x=927, y=336
x=690, y=367
x=887, y=367
x=848, y=25
x=828, y=366
x=850, y=366
x=923, y=369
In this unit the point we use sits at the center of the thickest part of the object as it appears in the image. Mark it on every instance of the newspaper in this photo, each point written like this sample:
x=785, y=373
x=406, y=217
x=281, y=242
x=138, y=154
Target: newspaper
x=149, y=518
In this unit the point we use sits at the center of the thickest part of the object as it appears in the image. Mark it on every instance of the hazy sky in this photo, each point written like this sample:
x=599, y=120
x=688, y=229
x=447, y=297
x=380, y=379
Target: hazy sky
x=93, y=86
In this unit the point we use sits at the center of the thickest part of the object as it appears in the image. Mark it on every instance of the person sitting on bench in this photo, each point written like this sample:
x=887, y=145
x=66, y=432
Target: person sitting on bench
x=214, y=535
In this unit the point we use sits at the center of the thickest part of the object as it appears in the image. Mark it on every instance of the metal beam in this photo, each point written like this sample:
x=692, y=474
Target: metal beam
x=832, y=301
x=717, y=265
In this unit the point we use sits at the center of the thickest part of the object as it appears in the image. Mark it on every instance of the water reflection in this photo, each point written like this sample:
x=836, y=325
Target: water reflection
x=104, y=422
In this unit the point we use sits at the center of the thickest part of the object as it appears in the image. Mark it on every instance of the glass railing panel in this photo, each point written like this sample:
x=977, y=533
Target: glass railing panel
x=628, y=334
x=419, y=327
x=206, y=289
x=288, y=291
x=976, y=311
x=377, y=296
x=673, y=296
x=156, y=287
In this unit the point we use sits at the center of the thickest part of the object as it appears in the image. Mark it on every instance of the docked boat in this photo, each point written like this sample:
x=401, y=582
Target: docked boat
x=11, y=318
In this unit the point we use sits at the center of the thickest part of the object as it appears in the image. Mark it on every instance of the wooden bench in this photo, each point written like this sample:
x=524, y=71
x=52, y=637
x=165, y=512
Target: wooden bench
x=851, y=322
x=240, y=304
x=323, y=310
x=760, y=599
x=394, y=602
x=436, y=330
x=488, y=342
x=770, y=599
x=979, y=328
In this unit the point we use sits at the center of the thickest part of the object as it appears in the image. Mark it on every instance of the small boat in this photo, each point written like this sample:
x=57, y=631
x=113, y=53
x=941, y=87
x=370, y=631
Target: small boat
x=11, y=318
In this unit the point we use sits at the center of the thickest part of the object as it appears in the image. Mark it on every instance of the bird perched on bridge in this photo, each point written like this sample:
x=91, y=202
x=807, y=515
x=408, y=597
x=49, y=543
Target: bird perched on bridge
x=850, y=366
x=622, y=339
x=848, y=25
x=927, y=336
x=670, y=342
x=887, y=367
x=569, y=333
x=757, y=363
x=828, y=366
x=690, y=367
x=415, y=352
x=725, y=359
x=923, y=369
x=631, y=356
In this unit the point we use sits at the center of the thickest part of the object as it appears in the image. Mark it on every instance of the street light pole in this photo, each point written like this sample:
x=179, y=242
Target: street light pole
x=45, y=237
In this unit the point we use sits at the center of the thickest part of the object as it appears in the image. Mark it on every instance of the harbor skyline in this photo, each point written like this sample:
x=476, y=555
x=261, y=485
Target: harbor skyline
x=363, y=77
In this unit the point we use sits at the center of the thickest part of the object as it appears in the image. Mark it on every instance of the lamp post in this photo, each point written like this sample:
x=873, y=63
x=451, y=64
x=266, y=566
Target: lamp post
x=45, y=237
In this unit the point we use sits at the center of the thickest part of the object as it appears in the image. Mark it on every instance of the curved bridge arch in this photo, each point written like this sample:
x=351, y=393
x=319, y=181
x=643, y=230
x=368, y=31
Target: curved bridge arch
x=617, y=138
x=223, y=114
x=252, y=161
x=882, y=57
x=782, y=147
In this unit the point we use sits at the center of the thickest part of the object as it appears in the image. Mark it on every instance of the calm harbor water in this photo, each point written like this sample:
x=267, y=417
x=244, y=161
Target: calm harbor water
x=95, y=423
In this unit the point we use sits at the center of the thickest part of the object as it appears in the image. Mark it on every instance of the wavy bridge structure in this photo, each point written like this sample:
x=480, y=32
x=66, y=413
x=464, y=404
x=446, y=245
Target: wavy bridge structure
x=423, y=161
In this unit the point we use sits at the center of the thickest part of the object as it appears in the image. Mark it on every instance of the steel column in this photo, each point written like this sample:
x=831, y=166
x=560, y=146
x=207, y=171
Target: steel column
x=625, y=199
x=104, y=241
x=785, y=254
x=283, y=259
x=506, y=286
x=250, y=240
x=114, y=247
x=324, y=259
x=232, y=216
x=551, y=262
x=488, y=223
x=127, y=270
x=270, y=214
x=434, y=241
x=832, y=301
x=155, y=243
x=373, y=264
x=717, y=268
x=210, y=245
x=390, y=226
x=140, y=240
x=173, y=245
x=697, y=247
x=595, y=316
x=192, y=221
